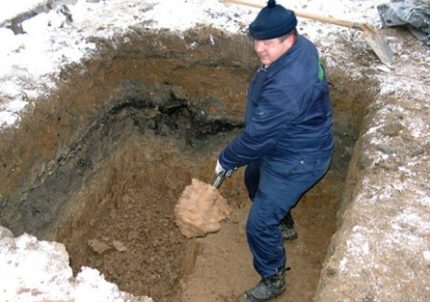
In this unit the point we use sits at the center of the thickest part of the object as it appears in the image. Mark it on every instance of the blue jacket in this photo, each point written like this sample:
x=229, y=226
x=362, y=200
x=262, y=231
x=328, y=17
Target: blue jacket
x=288, y=112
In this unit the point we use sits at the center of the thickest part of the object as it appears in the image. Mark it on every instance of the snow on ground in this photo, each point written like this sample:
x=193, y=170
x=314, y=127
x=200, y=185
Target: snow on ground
x=33, y=270
x=9, y=11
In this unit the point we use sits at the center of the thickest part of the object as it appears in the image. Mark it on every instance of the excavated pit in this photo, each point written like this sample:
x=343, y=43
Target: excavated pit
x=100, y=165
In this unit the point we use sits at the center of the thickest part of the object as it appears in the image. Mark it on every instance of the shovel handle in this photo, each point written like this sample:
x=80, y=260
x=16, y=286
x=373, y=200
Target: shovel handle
x=306, y=15
x=220, y=178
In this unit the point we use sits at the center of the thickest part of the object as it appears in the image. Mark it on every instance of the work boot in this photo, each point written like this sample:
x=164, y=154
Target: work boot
x=265, y=290
x=287, y=227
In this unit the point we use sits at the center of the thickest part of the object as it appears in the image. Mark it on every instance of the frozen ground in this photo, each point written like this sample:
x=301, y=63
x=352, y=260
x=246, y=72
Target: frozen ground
x=396, y=142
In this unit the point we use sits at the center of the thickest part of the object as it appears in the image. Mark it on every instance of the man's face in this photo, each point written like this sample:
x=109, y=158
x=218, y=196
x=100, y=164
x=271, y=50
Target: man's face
x=270, y=50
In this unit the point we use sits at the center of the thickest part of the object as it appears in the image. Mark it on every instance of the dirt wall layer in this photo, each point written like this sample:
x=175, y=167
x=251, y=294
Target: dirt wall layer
x=381, y=250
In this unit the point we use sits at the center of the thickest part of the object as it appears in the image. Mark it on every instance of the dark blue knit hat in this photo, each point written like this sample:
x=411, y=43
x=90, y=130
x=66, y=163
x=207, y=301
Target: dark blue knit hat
x=272, y=21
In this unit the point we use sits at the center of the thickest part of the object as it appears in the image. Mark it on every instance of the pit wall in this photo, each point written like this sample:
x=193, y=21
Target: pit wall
x=146, y=69
x=381, y=249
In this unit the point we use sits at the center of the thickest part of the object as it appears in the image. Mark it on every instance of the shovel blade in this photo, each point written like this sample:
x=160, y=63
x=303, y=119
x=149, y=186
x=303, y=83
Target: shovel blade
x=378, y=45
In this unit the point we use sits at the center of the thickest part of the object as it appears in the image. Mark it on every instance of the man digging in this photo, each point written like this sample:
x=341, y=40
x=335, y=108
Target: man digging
x=287, y=142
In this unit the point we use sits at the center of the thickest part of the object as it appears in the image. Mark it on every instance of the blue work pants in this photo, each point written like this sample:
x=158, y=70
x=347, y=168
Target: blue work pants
x=275, y=187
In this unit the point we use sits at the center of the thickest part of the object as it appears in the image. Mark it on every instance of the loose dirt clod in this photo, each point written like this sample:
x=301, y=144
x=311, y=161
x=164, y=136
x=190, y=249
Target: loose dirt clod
x=119, y=246
x=98, y=246
x=200, y=209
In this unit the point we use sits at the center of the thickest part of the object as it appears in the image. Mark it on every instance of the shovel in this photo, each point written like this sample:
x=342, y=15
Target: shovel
x=219, y=179
x=371, y=35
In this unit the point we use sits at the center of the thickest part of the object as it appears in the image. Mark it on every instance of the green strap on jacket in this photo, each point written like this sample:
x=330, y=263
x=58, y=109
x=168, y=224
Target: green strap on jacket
x=320, y=71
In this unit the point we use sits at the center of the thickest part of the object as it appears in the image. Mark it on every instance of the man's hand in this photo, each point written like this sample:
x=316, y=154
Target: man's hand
x=218, y=169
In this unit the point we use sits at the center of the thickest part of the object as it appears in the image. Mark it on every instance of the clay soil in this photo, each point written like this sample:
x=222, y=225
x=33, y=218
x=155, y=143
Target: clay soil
x=101, y=171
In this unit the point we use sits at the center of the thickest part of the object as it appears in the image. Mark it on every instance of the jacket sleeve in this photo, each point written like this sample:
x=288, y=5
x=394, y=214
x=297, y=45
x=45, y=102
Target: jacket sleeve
x=276, y=108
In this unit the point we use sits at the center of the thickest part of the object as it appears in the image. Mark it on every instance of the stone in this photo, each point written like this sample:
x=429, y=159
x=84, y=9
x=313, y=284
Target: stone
x=5, y=233
x=119, y=246
x=98, y=246
x=200, y=209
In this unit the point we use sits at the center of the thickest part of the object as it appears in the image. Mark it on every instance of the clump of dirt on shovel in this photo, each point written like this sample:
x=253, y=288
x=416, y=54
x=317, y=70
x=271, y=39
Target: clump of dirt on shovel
x=200, y=209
